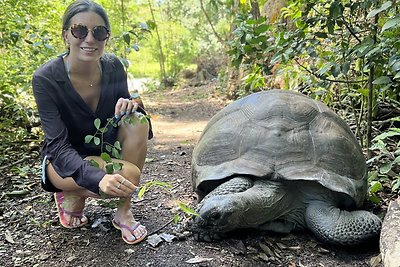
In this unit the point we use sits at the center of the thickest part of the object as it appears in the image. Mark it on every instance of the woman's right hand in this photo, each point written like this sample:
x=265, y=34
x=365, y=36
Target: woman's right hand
x=116, y=185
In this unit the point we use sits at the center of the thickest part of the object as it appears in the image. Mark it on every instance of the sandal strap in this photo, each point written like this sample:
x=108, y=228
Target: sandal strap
x=129, y=228
x=60, y=200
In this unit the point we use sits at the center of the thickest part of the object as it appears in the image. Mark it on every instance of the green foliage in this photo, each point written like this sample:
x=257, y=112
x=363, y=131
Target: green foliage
x=26, y=41
x=387, y=160
x=336, y=42
x=343, y=52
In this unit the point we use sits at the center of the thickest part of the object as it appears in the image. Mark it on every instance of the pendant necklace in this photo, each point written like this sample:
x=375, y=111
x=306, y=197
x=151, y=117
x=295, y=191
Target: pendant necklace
x=68, y=69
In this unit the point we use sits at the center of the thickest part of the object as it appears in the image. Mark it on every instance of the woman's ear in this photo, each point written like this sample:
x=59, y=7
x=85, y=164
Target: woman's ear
x=65, y=37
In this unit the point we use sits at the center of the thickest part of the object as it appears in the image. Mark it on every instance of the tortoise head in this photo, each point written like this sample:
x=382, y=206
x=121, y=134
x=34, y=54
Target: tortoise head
x=218, y=214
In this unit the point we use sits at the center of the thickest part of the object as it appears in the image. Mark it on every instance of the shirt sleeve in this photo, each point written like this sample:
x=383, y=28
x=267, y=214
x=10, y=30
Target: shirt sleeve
x=63, y=157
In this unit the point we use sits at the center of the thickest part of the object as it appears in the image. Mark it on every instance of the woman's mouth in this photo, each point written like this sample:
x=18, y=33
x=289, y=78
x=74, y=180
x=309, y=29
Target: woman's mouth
x=88, y=49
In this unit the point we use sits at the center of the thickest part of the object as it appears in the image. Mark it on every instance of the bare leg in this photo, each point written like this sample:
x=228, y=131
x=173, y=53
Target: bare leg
x=133, y=140
x=134, y=148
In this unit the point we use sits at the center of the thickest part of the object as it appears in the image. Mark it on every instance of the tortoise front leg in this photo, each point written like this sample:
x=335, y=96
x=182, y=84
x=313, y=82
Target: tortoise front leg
x=340, y=227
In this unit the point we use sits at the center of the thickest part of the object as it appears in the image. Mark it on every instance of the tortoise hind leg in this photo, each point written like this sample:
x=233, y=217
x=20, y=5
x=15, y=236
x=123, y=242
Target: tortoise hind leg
x=340, y=227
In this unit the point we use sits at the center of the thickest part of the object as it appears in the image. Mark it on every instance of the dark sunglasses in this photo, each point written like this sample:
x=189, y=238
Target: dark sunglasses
x=100, y=33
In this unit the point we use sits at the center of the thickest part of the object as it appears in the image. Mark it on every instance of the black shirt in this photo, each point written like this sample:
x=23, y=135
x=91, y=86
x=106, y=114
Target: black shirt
x=66, y=119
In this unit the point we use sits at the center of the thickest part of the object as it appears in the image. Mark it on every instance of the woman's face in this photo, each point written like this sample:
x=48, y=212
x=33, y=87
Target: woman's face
x=87, y=48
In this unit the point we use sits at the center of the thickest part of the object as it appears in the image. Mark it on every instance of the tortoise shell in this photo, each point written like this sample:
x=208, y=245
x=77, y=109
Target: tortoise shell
x=280, y=135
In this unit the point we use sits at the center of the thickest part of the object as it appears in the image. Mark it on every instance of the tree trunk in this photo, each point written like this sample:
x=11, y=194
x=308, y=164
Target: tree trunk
x=162, y=58
x=390, y=236
x=211, y=24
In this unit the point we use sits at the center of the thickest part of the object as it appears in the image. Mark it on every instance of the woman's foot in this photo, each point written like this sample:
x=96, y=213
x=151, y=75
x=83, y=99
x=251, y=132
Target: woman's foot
x=132, y=231
x=70, y=210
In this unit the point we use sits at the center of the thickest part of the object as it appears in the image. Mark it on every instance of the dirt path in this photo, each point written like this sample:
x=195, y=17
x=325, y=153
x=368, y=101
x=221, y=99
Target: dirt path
x=31, y=235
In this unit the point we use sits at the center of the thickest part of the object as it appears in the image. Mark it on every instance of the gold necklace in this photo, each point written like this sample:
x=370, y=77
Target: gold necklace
x=68, y=70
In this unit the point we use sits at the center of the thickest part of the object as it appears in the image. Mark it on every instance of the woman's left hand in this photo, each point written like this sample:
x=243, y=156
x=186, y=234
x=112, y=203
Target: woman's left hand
x=125, y=106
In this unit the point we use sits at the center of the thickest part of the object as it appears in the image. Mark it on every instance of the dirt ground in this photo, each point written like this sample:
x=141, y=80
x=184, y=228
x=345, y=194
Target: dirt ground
x=32, y=236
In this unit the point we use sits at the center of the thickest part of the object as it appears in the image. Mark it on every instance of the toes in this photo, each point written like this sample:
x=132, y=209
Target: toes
x=139, y=232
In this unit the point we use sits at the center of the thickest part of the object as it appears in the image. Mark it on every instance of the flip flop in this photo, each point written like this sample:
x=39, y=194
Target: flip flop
x=119, y=226
x=59, y=198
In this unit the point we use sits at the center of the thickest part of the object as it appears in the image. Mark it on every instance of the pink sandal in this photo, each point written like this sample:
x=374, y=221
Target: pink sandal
x=119, y=226
x=59, y=198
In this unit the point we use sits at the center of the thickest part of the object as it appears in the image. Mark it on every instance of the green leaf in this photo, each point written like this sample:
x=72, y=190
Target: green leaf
x=109, y=169
x=391, y=23
x=48, y=46
x=117, y=145
x=177, y=218
x=382, y=80
x=385, y=168
x=345, y=68
x=375, y=12
x=88, y=138
x=97, y=123
x=127, y=38
x=96, y=141
x=375, y=199
x=135, y=47
x=261, y=28
x=108, y=148
x=325, y=68
x=106, y=157
x=17, y=193
x=94, y=163
x=331, y=26
x=321, y=34
x=395, y=184
x=384, y=135
x=375, y=187
x=103, y=130
x=117, y=166
x=186, y=209
x=116, y=153
x=372, y=176
x=396, y=65
x=364, y=92
x=335, y=10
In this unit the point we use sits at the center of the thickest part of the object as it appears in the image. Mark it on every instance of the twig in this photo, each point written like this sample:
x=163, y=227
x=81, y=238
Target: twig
x=209, y=22
x=12, y=164
x=31, y=198
x=327, y=79
x=162, y=227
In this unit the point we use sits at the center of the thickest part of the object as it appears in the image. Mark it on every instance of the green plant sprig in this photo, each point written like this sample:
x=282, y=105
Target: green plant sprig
x=111, y=167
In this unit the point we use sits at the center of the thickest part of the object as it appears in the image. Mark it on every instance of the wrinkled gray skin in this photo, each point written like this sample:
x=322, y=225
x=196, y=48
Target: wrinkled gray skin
x=279, y=161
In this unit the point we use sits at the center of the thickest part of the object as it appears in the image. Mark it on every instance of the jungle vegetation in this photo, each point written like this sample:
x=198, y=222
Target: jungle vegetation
x=344, y=53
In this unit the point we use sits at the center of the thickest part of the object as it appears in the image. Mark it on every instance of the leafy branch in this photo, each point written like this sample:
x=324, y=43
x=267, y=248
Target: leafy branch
x=115, y=149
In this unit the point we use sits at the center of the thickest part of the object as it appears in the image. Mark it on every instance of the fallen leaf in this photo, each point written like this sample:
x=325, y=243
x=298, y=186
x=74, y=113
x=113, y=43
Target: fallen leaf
x=263, y=256
x=167, y=237
x=71, y=259
x=17, y=193
x=198, y=259
x=129, y=251
x=375, y=261
x=154, y=240
x=9, y=237
x=266, y=249
x=281, y=246
x=99, y=221
x=238, y=247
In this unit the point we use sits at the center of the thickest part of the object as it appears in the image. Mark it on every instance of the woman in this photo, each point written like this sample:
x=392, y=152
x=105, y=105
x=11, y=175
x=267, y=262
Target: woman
x=71, y=91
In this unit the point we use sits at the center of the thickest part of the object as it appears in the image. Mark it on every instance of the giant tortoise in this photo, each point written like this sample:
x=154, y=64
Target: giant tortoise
x=277, y=160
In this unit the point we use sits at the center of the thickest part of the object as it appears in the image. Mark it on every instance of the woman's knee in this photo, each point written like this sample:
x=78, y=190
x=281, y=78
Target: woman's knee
x=135, y=128
x=130, y=171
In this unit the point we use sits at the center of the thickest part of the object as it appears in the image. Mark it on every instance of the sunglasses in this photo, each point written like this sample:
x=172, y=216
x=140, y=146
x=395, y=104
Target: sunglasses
x=100, y=33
